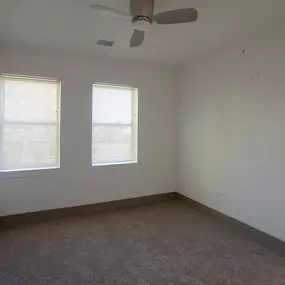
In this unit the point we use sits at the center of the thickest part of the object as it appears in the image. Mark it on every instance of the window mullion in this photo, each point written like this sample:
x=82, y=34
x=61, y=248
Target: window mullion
x=29, y=123
x=111, y=125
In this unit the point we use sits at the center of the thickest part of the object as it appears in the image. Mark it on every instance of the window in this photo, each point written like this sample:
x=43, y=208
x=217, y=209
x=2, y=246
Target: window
x=29, y=123
x=114, y=125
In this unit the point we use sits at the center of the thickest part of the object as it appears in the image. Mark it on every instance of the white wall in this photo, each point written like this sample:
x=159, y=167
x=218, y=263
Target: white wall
x=77, y=182
x=233, y=132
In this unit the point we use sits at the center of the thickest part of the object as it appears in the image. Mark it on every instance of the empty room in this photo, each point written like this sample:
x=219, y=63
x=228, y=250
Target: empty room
x=142, y=142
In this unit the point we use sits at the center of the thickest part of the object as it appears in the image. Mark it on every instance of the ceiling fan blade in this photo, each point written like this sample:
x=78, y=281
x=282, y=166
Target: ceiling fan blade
x=137, y=38
x=111, y=11
x=179, y=16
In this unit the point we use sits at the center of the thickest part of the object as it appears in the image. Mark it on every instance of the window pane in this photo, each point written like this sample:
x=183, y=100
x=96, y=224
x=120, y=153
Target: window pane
x=111, y=144
x=30, y=101
x=26, y=146
x=111, y=105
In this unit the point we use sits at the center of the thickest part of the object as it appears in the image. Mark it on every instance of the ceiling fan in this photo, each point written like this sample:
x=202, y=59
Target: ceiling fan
x=142, y=16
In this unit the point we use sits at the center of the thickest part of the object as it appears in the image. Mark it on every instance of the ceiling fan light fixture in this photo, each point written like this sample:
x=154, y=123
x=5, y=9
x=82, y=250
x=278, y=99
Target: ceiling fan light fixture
x=142, y=23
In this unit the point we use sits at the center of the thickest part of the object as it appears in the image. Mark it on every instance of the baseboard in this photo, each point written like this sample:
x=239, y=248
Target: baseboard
x=258, y=236
x=55, y=214
x=72, y=212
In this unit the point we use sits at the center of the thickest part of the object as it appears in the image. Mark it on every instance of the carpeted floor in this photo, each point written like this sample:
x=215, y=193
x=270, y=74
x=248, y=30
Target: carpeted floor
x=166, y=243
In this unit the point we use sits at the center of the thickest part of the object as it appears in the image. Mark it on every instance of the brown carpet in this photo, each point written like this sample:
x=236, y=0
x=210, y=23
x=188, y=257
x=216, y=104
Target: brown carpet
x=166, y=243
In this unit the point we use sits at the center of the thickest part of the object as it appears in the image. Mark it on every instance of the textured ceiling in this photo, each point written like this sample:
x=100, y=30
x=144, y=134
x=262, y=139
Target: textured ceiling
x=71, y=24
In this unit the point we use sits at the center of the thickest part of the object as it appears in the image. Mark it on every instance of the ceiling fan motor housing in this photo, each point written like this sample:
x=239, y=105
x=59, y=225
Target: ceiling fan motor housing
x=142, y=10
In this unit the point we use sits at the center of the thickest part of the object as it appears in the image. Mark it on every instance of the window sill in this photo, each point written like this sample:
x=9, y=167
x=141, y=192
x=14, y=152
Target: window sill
x=115, y=163
x=22, y=173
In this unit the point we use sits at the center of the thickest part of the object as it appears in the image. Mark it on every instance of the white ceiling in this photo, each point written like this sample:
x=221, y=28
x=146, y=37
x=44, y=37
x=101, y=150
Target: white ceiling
x=71, y=24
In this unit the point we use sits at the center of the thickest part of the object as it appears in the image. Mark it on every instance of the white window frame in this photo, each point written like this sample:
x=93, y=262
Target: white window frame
x=133, y=125
x=11, y=173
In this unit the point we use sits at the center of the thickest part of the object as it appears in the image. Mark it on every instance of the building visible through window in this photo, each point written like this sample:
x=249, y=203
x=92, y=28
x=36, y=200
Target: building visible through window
x=114, y=124
x=29, y=123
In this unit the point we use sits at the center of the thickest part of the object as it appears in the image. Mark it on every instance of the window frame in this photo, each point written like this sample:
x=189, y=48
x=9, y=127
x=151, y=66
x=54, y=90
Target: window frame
x=133, y=125
x=22, y=172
